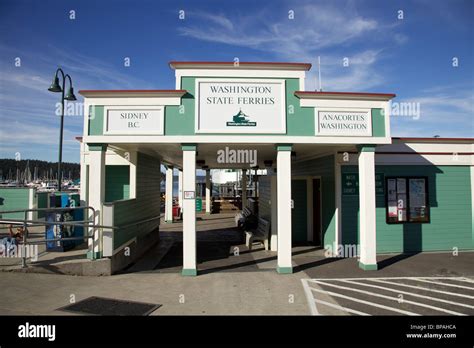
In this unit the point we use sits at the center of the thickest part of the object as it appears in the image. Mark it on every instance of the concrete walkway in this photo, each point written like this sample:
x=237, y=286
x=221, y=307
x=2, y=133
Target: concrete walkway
x=232, y=280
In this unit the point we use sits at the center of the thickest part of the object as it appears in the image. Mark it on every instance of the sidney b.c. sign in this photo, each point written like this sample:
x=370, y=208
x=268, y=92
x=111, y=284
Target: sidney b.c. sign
x=134, y=120
x=240, y=106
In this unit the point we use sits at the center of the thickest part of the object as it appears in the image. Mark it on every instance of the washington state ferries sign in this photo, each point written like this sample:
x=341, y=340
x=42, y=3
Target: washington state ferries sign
x=240, y=106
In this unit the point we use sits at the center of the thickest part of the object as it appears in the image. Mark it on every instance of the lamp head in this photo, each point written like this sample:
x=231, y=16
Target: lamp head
x=55, y=87
x=70, y=95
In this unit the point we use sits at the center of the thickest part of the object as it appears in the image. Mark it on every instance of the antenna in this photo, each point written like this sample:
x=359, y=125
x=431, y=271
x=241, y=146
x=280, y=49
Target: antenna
x=319, y=72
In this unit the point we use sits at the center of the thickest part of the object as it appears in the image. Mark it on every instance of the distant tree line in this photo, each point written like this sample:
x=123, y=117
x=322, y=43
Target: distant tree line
x=27, y=170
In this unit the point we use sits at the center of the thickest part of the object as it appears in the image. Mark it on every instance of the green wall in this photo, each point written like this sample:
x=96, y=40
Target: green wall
x=300, y=121
x=96, y=120
x=146, y=204
x=323, y=167
x=450, y=208
x=14, y=199
x=117, y=183
x=180, y=120
x=378, y=123
x=42, y=202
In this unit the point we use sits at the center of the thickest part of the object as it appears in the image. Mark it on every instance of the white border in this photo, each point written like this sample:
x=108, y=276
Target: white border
x=282, y=82
x=351, y=110
x=159, y=108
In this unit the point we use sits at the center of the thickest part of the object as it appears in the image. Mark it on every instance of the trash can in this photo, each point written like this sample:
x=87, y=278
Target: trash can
x=63, y=200
x=176, y=212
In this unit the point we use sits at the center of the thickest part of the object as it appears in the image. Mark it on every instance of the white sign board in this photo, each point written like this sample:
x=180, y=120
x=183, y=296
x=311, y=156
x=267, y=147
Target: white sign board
x=344, y=123
x=240, y=106
x=124, y=120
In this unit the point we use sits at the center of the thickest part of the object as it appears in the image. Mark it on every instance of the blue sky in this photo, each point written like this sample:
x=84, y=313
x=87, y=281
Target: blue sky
x=411, y=57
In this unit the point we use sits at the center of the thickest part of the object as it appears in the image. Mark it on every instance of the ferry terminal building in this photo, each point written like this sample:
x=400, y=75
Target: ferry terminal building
x=335, y=176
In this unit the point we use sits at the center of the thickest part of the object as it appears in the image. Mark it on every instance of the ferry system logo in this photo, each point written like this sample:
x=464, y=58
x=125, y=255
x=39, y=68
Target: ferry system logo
x=241, y=120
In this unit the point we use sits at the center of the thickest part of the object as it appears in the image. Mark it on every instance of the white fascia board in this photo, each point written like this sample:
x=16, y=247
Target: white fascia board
x=229, y=139
x=400, y=146
x=412, y=159
x=225, y=73
x=134, y=101
x=111, y=159
x=342, y=104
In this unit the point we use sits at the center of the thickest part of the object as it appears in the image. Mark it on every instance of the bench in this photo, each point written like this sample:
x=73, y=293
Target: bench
x=260, y=234
x=242, y=216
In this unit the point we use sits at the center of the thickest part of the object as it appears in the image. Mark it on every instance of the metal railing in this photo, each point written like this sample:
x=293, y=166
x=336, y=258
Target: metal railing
x=30, y=223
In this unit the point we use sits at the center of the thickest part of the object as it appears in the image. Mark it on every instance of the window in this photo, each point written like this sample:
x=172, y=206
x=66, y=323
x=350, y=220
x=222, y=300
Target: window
x=407, y=199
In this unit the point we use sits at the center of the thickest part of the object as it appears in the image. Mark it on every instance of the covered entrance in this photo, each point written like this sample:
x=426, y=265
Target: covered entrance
x=254, y=118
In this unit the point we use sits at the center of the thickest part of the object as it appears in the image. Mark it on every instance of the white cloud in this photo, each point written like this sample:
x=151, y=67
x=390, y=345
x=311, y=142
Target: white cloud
x=447, y=111
x=316, y=30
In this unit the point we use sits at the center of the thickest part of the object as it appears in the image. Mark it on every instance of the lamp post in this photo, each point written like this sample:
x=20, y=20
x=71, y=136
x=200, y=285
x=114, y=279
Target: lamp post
x=55, y=87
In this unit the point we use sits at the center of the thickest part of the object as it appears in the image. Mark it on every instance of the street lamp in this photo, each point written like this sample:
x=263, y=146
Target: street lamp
x=55, y=87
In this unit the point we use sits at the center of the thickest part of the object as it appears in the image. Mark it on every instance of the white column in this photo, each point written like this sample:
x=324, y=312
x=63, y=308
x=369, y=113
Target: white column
x=368, y=242
x=132, y=158
x=83, y=176
x=274, y=212
x=208, y=191
x=96, y=193
x=180, y=188
x=284, y=209
x=338, y=213
x=169, y=195
x=189, y=210
x=244, y=188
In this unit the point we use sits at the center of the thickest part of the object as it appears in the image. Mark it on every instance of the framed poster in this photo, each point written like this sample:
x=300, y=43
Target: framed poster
x=417, y=193
x=407, y=200
x=401, y=185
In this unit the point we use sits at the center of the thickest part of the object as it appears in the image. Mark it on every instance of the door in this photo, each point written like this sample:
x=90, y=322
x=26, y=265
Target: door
x=317, y=238
x=299, y=211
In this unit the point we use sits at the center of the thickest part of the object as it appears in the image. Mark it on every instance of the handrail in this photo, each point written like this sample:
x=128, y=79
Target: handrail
x=84, y=223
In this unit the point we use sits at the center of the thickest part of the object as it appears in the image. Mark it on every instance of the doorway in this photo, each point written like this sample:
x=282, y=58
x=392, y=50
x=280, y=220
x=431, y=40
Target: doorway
x=306, y=212
x=316, y=212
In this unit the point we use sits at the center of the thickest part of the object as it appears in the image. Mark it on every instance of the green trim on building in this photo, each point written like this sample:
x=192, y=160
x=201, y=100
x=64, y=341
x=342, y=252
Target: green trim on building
x=284, y=270
x=378, y=123
x=97, y=147
x=96, y=120
x=366, y=148
x=368, y=267
x=94, y=255
x=179, y=120
x=189, y=147
x=299, y=120
x=189, y=272
x=284, y=147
